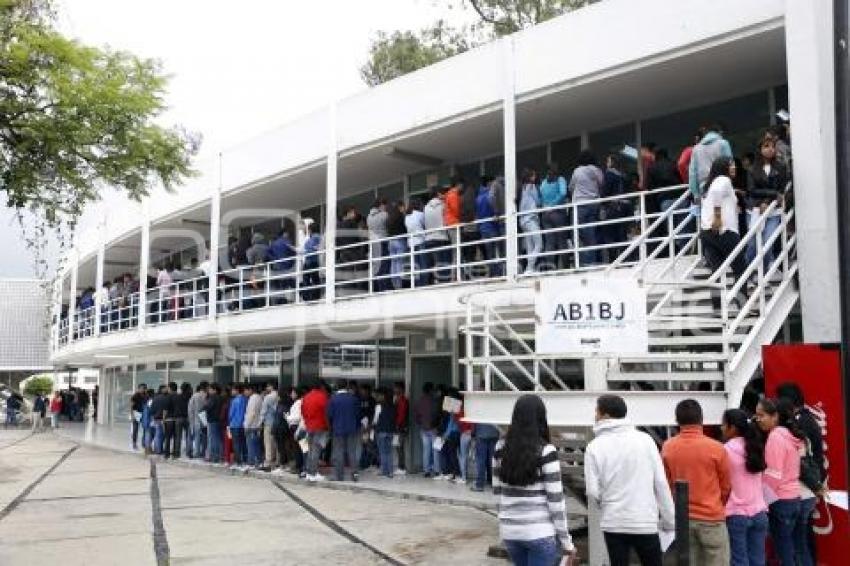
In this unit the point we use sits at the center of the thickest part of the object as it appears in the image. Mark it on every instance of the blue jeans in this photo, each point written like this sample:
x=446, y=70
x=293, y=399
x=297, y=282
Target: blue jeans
x=484, y=449
x=240, y=450
x=465, y=441
x=385, y=452
x=746, y=539
x=199, y=441
x=428, y=456
x=784, y=514
x=771, y=223
x=801, y=531
x=158, y=436
x=398, y=247
x=214, y=439
x=540, y=552
x=254, y=448
x=588, y=213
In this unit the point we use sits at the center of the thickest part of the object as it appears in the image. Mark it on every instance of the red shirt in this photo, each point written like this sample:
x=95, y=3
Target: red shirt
x=401, y=409
x=684, y=163
x=314, y=410
x=56, y=405
x=451, y=210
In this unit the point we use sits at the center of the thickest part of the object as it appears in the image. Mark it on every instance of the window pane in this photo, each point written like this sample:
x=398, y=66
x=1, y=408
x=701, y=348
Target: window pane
x=534, y=158
x=392, y=192
x=362, y=202
x=495, y=166
x=565, y=155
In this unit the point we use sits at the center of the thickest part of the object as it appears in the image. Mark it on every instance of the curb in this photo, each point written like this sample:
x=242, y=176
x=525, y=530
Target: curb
x=286, y=478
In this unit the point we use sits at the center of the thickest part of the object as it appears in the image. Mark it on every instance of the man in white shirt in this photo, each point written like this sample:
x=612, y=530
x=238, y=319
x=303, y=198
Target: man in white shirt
x=253, y=424
x=625, y=478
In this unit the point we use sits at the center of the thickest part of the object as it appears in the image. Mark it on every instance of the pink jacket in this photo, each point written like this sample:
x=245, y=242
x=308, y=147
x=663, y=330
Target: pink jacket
x=747, y=497
x=782, y=453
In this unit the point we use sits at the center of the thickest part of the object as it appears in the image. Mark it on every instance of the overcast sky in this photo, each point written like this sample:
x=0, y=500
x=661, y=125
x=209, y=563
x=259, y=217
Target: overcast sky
x=237, y=68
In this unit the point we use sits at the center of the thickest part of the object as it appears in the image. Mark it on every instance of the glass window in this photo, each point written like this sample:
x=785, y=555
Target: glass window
x=361, y=201
x=392, y=192
x=534, y=158
x=743, y=118
x=495, y=166
x=392, y=361
x=471, y=172
x=317, y=214
x=612, y=140
x=565, y=154
x=423, y=181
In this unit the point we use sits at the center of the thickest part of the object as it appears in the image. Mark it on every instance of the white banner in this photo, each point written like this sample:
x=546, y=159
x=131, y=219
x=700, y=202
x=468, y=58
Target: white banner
x=591, y=315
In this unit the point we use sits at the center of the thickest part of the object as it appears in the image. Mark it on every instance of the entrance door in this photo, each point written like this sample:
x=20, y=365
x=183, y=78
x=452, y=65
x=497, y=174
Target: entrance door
x=434, y=369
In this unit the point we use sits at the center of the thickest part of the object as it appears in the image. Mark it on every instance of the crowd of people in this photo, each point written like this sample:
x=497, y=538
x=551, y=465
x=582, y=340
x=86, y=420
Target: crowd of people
x=350, y=427
x=458, y=231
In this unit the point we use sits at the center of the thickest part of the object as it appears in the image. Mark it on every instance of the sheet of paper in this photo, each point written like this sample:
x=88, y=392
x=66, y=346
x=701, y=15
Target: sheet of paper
x=667, y=538
x=837, y=498
x=630, y=152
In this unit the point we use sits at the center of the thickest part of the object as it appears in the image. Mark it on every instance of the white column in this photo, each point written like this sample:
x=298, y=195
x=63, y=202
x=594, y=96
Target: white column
x=56, y=298
x=811, y=80
x=72, y=300
x=98, y=284
x=215, y=236
x=509, y=127
x=330, y=208
x=144, y=259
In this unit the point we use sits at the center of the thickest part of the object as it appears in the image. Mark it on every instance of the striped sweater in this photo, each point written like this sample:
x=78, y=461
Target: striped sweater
x=537, y=510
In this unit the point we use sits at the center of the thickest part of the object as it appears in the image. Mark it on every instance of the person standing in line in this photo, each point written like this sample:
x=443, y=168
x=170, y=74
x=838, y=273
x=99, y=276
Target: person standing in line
x=486, y=436
x=180, y=406
x=436, y=239
x=224, y=419
x=625, y=479
x=746, y=510
x=314, y=414
x=197, y=428
x=212, y=408
x=313, y=261
x=586, y=185
x=158, y=409
x=553, y=196
x=710, y=148
x=379, y=266
x=267, y=417
x=527, y=481
x=811, y=482
x=55, y=409
x=169, y=419
x=719, y=218
x=137, y=405
x=465, y=445
x=344, y=420
x=236, y=425
x=704, y=464
x=402, y=421
x=782, y=452
x=397, y=246
x=488, y=227
x=414, y=225
x=423, y=415
x=384, y=424
x=253, y=424
x=529, y=220
x=294, y=421
x=450, y=433
x=452, y=215
x=766, y=184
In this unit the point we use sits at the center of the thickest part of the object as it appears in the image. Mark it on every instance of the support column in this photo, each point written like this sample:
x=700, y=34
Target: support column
x=509, y=129
x=98, y=284
x=330, y=208
x=811, y=83
x=72, y=300
x=56, y=298
x=215, y=237
x=144, y=258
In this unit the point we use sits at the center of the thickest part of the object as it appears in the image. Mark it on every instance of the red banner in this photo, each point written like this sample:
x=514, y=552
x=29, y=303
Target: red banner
x=817, y=370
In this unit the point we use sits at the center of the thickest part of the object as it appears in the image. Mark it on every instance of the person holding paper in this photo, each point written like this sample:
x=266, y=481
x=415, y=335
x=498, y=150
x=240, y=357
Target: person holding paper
x=625, y=478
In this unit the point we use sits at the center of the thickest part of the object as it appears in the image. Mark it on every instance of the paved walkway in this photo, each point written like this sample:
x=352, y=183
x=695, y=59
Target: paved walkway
x=413, y=486
x=70, y=503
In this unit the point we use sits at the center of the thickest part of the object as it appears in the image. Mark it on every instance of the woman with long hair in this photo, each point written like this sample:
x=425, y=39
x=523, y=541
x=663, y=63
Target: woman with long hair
x=782, y=478
x=746, y=510
x=719, y=217
x=766, y=184
x=527, y=479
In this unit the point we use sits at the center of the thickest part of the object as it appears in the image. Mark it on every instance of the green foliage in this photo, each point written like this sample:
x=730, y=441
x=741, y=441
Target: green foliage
x=400, y=52
x=74, y=119
x=40, y=384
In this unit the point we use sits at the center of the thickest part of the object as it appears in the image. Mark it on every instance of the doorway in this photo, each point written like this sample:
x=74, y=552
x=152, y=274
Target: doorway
x=423, y=369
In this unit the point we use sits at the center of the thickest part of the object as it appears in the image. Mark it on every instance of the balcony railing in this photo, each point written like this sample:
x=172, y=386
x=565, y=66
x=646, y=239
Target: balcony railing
x=594, y=234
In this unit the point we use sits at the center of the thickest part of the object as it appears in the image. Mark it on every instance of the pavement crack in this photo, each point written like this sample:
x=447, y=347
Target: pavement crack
x=335, y=526
x=23, y=495
x=160, y=540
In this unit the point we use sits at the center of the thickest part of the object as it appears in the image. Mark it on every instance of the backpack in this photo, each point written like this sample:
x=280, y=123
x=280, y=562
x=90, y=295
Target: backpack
x=280, y=425
x=809, y=470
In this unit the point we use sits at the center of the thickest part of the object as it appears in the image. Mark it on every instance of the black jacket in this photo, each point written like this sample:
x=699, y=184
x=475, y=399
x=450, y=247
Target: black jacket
x=386, y=418
x=161, y=403
x=137, y=402
x=179, y=406
x=764, y=187
x=813, y=432
x=213, y=408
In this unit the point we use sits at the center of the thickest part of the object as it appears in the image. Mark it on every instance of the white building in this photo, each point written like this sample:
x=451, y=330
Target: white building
x=614, y=74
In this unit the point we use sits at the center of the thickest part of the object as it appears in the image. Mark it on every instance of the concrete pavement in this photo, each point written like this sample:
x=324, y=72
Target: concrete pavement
x=68, y=503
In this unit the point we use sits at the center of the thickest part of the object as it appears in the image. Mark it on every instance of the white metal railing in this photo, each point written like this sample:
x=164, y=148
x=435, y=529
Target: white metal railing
x=83, y=323
x=119, y=313
x=63, y=331
x=445, y=255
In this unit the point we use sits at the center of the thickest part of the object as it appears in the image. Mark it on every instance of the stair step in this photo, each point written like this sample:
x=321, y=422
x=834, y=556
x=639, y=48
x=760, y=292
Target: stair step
x=673, y=358
x=703, y=340
x=670, y=325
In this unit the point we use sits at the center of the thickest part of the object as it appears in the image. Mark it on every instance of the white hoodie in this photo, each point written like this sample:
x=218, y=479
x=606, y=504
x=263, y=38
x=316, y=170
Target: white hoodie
x=624, y=474
x=252, y=411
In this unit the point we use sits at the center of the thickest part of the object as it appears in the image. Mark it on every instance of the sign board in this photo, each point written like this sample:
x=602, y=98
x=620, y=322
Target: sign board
x=591, y=316
x=817, y=370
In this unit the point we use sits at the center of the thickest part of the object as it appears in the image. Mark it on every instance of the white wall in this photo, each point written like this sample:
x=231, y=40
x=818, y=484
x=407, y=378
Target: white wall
x=812, y=99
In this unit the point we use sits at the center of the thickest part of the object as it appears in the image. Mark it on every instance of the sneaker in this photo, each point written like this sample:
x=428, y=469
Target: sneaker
x=355, y=477
x=458, y=480
x=400, y=472
x=319, y=477
x=302, y=475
